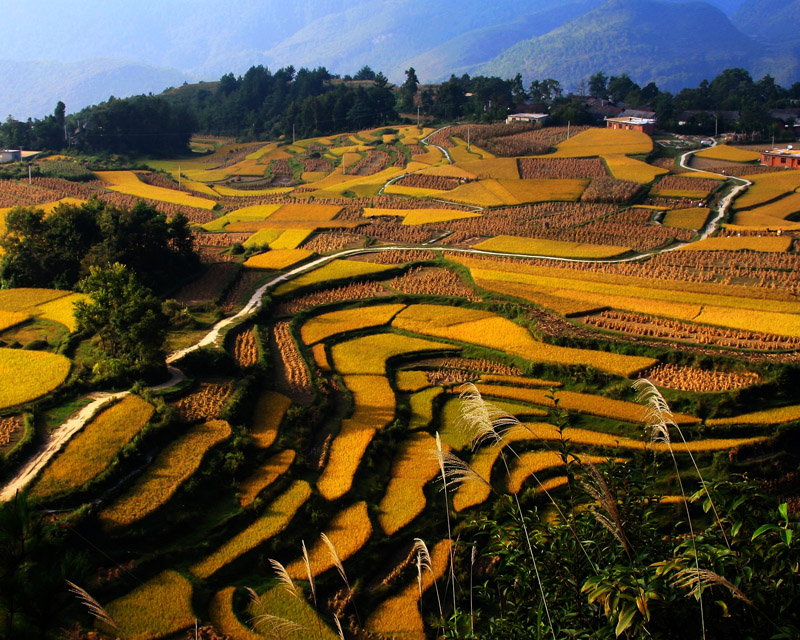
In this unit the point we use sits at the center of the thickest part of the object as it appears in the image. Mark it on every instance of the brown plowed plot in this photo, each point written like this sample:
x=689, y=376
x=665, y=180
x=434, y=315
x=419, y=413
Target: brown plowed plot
x=375, y=162
x=607, y=189
x=398, y=257
x=416, y=150
x=245, y=348
x=324, y=242
x=421, y=181
x=352, y=291
x=654, y=327
x=205, y=403
x=432, y=282
x=294, y=371
x=245, y=285
x=536, y=168
x=515, y=139
x=699, y=380
x=10, y=428
x=208, y=286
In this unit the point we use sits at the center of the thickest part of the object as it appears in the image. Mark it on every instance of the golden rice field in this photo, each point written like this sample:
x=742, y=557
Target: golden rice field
x=768, y=416
x=729, y=154
x=374, y=408
x=561, y=305
x=306, y=213
x=413, y=467
x=545, y=190
x=41, y=371
x=175, y=464
x=128, y=182
x=348, y=531
x=411, y=380
x=278, y=259
x=332, y=271
x=264, y=476
x=10, y=319
x=263, y=237
x=604, y=142
x=422, y=216
x=498, y=168
x=321, y=357
x=503, y=335
x=368, y=355
x=775, y=212
x=159, y=608
x=223, y=617
x=530, y=463
x=624, y=168
x=767, y=187
x=291, y=239
x=742, y=243
x=519, y=381
x=90, y=452
x=691, y=218
x=329, y=324
x=268, y=414
x=50, y=304
x=552, y=248
x=62, y=310
x=280, y=603
x=399, y=616
x=23, y=299
x=421, y=405
x=276, y=519
x=246, y=214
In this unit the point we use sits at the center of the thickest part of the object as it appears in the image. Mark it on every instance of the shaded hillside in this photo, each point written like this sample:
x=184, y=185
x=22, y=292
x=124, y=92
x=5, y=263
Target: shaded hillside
x=773, y=22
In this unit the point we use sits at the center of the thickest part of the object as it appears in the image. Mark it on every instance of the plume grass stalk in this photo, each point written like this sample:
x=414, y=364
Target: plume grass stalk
x=440, y=458
x=337, y=561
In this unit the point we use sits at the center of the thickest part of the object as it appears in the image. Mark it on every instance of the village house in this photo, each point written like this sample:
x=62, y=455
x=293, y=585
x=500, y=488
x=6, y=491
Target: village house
x=633, y=123
x=789, y=158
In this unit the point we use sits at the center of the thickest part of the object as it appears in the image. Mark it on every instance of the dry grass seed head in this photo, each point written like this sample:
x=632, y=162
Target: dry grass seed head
x=694, y=580
x=336, y=559
x=284, y=578
x=606, y=511
x=658, y=417
x=93, y=606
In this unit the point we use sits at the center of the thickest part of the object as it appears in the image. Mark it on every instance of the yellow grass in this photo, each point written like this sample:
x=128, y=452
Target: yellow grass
x=374, y=408
x=600, y=142
x=431, y=156
x=368, y=355
x=412, y=380
x=175, y=464
x=276, y=519
x=128, y=182
x=246, y=214
x=561, y=305
x=332, y=271
x=421, y=404
x=264, y=476
x=278, y=259
x=740, y=243
x=553, y=248
x=498, y=168
x=10, y=319
x=767, y=416
x=27, y=375
x=61, y=310
x=503, y=335
x=532, y=462
x=328, y=324
x=580, y=402
x=348, y=532
x=159, y=608
x=267, y=417
x=624, y=168
x=413, y=467
x=282, y=604
x=449, y=170
x=230, y=192
x=784, y=324
x=398, y=617
x=90, y=452
x=768, y=186
x=692, y=218
x=752, y=220
x=729, y=154
x=418, y=316
x=772, y=214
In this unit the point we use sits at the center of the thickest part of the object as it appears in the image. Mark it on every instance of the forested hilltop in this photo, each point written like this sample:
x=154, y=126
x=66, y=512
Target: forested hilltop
x=289, y=103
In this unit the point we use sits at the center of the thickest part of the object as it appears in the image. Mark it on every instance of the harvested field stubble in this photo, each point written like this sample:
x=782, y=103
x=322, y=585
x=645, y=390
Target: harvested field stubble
x=206, y=402
x=295, y=367
x=699, y=380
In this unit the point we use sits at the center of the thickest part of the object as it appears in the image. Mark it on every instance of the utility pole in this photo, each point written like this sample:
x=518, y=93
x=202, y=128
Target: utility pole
x=292, y=133
x=568, y=123
x=417, y=116
x=468, y=147
x=29, y=173
x=179, y=176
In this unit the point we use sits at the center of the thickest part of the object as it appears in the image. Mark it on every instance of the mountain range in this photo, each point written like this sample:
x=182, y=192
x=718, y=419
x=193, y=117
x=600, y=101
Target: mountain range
x=83, y=51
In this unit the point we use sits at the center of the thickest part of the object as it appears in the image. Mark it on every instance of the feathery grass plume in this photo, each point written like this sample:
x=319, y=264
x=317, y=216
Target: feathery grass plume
x=659, y=418
x=309, y=573
x=440, y=458
x=424, y=563
x=696, y=580
x=283, y=577
x=339, y=627
x=337, y=561
x=476, y=418
x=93, y=606
x=457, y=471
x=608, y=515
x=277, y=625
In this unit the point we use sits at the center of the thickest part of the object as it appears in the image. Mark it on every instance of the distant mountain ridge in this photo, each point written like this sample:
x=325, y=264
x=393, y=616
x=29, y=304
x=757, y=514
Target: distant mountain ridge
x=166, y=42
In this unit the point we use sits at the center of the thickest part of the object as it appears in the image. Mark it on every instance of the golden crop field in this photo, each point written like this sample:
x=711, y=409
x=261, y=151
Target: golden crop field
x=498, y=168
x=602, y=142
x=93, y=449
x=291, y=238
x=280, y=603
x=624, y=168
x=222, y=616
x=519, y=381
x=328, y=324
x=533, y=462
x=768, y=186
x=374, y=408
x=503, y=335
x=776, y=211
x=561, y=305
x=691, y=218
x=348, y=531
x=175, y=464
x=61, y=310
x=306, y=213
x=276, y=519
x=128, y=182
x=157, y=609
x=481, y=193
x=321, y=357
x=422, y=216
x=421, y=405
x=413, y=380
x=368, y=355
x=263, y=237
x=246, y=214
x=766, y=417
x=553, y=248
x=742, y=243
x=413, y=467
x=24, y=299
x=399, y=616
x=264, y=476
x=334, y=270
x=41, y=372
x=267, y=417
x=545, y=190
x=10, y=319
x=278, y=259
x=729, y=154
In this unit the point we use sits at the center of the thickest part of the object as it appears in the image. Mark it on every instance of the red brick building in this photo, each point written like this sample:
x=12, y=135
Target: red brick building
x=645, y=125
x=789, y=158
